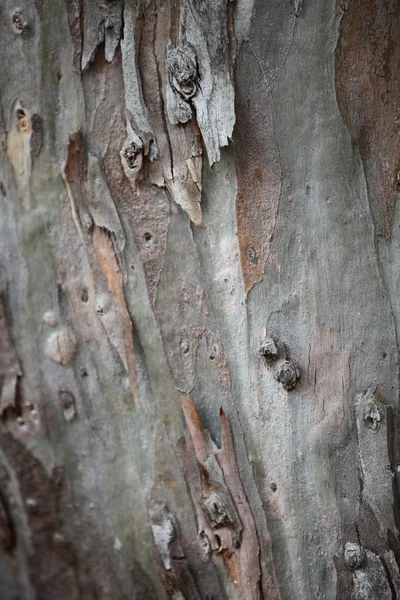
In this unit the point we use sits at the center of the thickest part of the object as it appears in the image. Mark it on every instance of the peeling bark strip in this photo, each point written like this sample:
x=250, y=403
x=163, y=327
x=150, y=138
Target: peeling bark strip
x=124, y=347
x=225, y=520
x=103, y=22
x=182, y=565
x=191, y=75
x=100, y=229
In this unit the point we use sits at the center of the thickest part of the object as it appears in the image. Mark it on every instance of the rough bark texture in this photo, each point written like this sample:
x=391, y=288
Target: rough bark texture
x=199, y=299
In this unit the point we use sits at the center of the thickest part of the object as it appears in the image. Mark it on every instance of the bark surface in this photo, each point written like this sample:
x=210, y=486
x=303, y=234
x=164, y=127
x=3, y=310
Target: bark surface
x=199, y=299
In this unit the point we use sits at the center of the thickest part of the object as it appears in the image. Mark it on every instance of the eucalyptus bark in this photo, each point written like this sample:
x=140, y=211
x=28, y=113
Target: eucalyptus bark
x=199, y=299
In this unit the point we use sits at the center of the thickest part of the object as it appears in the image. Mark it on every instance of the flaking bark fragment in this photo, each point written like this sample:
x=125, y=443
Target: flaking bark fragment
x=204, y=28
x=102, y=23
x=225, y=521
x=216, y=501
x=101, y=205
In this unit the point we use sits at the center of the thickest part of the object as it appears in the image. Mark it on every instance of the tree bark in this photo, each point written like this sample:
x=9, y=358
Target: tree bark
x=199, y=299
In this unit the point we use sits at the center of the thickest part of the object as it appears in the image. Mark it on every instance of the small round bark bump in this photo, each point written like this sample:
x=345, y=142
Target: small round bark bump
x=17, y=21
x=49, y=318
x=354, y=555
x=269, y=349
x=288, y=374
x=102, y=304
x=62, y=345
x=185, y=346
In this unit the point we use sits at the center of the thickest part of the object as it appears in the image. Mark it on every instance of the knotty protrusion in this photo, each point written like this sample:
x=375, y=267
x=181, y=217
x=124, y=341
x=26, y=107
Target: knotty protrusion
x=17, y=20
x=354, y=555
x=182, y=70
x=286, y=371
x=288, y=374
x=132, y=155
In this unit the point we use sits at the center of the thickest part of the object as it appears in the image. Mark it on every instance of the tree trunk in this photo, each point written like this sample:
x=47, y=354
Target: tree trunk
x=200, y=301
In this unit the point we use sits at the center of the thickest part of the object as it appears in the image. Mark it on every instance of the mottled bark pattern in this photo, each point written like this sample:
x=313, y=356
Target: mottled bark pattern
x=199, y=303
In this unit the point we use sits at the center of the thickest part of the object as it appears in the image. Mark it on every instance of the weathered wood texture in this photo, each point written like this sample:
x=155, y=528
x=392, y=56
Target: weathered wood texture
x=199, y=299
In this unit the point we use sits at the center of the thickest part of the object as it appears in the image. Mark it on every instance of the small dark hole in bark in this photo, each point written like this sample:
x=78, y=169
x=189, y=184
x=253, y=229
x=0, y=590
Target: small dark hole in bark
x=384, y=355
x=20, y=113
x=214, y=352
x=147, y=237
x=274, y=487
x=133, y=267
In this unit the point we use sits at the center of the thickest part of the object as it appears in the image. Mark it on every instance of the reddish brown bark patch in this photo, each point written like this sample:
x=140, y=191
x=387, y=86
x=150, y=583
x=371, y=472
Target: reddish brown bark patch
x=51, y=563
x=368, y=92
x=257, y=168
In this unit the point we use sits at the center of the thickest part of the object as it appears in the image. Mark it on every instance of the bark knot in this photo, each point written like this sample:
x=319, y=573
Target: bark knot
x=288, y=374
x=354, y=555
x=182, y=70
